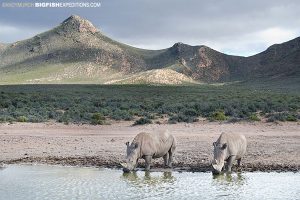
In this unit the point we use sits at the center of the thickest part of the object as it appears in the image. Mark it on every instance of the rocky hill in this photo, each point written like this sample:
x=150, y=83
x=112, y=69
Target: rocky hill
x=77, y=52
x=279, y=60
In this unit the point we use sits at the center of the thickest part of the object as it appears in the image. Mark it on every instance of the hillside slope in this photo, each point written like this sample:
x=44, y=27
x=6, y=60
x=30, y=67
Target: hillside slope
x=77, y=52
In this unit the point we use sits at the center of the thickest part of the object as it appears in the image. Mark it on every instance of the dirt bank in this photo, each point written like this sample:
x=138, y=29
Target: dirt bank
x=271, y=147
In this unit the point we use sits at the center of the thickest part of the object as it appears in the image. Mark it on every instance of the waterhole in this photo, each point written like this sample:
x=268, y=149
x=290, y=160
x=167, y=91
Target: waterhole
x=57, y=182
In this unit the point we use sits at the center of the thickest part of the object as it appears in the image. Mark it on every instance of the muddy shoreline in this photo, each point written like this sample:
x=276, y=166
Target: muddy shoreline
x=181, y=167
x=271, y=147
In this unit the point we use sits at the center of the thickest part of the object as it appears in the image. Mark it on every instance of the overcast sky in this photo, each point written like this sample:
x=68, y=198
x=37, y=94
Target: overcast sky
x=239, y=27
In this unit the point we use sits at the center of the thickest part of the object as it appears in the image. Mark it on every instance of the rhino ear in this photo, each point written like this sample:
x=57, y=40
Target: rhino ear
x=136, y=145
x=127, y=143
x=224, y=146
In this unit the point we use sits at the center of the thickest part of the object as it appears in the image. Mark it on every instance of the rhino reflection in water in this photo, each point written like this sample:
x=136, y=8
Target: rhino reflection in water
x=148, y=146
x=229, y=147
x=2, y=167
x=138, y=180
x=229, y=179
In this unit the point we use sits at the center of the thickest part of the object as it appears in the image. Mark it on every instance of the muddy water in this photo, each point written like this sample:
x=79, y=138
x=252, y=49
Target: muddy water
x=53, y=182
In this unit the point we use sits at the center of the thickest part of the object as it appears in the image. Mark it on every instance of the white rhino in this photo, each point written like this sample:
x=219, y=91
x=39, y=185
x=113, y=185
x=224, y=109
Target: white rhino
x=229, y=147
x=148, y=146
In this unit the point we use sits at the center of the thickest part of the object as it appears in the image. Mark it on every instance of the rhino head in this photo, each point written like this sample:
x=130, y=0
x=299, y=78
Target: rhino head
x=131, y=158
x=220, y=153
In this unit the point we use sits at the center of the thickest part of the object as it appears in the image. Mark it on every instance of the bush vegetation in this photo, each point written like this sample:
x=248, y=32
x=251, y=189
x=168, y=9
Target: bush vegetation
x=254, y=117
x=98, y=118
x=142, y=121
x=218, y=116
x=22, y=119
x=97, y=104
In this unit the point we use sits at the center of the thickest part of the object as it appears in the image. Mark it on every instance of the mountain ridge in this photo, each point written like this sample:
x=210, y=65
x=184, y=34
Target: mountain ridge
x=76, y=51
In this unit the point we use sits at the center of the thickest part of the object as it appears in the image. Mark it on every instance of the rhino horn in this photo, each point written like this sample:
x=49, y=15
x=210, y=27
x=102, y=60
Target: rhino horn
x=124, y=165
x=215, y=167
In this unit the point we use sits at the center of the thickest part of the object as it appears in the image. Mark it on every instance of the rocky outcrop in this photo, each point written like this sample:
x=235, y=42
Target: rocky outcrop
x=76, y=23
x=157, y=76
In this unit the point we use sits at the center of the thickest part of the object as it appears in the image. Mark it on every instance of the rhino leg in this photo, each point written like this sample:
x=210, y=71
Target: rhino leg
x=148, y=162
x=170, y=158
x=136, y=164
x=166, y=159
x=230, y=161
x=239, y=162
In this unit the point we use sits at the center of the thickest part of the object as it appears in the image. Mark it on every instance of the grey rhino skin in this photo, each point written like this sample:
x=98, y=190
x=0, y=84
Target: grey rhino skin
x=229, y=147
x=148, y=146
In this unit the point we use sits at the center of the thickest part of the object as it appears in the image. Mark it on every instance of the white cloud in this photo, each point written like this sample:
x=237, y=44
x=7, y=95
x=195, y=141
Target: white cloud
x=252, y=43
x=4, y=29
x=276, y=35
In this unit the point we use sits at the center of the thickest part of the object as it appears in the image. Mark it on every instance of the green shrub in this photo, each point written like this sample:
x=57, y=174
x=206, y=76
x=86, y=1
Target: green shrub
x=65, y=118
x=182, y=118
x=190, y=112
x=22, y=119
x=284, y=116
x=254, y=117
x=2, y=119
x=10, y=119
x=122, y=115
x=149, y=116
x=291, y=118
x=142, y=121
x=98, y=118
x=36, y=118
x=218, y=116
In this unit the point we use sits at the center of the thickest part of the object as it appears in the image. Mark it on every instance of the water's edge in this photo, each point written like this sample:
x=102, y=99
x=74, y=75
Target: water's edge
x=98, y=163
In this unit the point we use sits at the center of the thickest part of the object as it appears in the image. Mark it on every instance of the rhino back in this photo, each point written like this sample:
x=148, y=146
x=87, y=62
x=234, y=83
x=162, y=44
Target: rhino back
x=155, y=144
x=236, y=143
